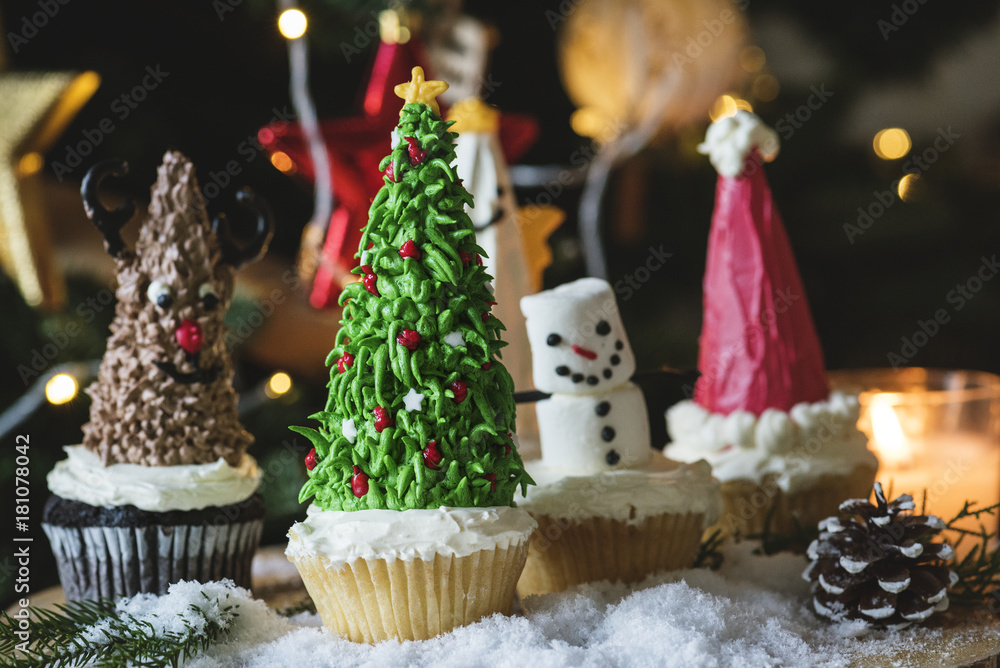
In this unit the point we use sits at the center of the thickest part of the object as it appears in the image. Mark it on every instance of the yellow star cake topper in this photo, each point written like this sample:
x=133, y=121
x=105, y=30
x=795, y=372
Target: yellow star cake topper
x=419, y=90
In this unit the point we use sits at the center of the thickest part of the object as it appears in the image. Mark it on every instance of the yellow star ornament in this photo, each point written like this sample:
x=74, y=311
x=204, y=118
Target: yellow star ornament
x=35, y=107
x=536, y=224
x=419, y=90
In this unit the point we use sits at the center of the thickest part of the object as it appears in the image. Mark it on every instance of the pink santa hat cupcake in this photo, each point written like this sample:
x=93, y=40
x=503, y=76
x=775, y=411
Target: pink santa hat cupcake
x=782, y=444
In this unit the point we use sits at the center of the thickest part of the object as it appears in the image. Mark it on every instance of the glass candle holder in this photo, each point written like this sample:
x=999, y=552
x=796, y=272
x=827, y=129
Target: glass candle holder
x=935, y=432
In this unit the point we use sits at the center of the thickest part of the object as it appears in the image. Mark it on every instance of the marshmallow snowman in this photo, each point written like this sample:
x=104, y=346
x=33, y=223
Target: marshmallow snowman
x=596, y=418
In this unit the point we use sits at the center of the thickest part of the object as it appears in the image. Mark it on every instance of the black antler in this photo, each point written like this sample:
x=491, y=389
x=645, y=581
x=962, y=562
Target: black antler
x=233, y=254
x=110, y=223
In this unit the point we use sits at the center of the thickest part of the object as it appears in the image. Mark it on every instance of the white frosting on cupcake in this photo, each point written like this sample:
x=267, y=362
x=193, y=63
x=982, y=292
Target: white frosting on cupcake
x=628, y=495
x=340, y=537
x=729, y=141
x=83, y=477
x=799, y=446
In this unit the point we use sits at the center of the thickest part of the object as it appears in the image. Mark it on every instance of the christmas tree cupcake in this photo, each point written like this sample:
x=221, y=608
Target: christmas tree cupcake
x=162, y=488
x=412, y=530
x=607, y=506
x=783, y=445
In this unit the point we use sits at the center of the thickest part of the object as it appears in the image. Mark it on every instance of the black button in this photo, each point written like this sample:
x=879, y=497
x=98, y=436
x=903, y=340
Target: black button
x=612, y=458
x=592, y=380
x=562, y=370
x=607, y=373
x=603, y=328
x=603, y=408
x=577, y=378
x=608, y=433
x=553, y=340
x=615, y=360
x=619, y=345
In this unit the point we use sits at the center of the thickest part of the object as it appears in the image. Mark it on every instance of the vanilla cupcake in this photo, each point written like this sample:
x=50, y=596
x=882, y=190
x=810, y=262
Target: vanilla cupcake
x=620, y=526
x=412, y=530
x=412, y=574
x=788, y=469
x=785, y=449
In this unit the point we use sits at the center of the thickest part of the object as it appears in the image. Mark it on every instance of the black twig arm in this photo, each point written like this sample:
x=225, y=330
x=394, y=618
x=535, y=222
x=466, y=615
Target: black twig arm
x=108, y=222
x=233, y=254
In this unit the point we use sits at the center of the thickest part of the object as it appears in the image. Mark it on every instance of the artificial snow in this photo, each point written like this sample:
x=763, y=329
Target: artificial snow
x=754, y=611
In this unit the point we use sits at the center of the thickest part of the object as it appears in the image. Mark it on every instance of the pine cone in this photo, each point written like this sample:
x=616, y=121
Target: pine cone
x=877, y=564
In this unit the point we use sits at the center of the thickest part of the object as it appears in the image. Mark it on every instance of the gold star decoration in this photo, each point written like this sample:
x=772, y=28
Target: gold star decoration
x=536, y=223
x=419, y=90
x=35, y=108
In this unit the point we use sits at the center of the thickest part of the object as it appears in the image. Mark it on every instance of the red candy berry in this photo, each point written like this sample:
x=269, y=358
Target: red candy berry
x=388, y=172
x=344, y=361
x=382, y=419
x=359, y=483
x=408, y=339
x=479, y=259
x=460, y=389
x=369, y=279
x=466, y=258
x=409, y=249
x=311, y=459
x=492, y=477
x=417, y=154
x=486, y=366
x=432, y=456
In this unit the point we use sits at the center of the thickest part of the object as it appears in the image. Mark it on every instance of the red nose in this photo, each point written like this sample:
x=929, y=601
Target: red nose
x=583, y=352
x=189, y=336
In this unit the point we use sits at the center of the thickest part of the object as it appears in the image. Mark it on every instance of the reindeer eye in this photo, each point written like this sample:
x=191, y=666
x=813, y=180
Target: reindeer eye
x=209, y=298
x=159, y=293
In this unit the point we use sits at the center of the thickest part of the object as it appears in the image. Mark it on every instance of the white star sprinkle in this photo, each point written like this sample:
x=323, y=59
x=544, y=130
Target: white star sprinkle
x=455, y=339
x=413, y=401
x=348, y=429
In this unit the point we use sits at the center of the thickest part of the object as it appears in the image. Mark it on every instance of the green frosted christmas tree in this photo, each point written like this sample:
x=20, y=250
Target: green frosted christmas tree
x=421, y=410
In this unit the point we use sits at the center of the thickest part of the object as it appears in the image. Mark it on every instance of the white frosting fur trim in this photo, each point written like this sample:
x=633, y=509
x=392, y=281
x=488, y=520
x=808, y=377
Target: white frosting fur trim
x=729, y=141
x=83, y=477
x=629, y=496
x=340, y=537
x=799, y=446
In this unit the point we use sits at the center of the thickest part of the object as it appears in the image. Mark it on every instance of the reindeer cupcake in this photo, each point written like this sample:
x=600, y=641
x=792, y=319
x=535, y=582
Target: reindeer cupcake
x=162, y=488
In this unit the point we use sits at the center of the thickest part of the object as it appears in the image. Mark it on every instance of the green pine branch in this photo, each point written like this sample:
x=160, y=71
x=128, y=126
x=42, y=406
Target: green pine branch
x=95, y=633
x=979, y=570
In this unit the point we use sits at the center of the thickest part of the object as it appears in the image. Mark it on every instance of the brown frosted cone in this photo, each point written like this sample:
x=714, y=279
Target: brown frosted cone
x=745, y=504
x=141, y=413
x=375, y=600
x=564, y=553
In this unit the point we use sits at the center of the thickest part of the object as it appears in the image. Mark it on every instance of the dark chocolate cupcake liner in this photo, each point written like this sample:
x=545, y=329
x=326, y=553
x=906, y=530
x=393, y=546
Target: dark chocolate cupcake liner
x=109, y=561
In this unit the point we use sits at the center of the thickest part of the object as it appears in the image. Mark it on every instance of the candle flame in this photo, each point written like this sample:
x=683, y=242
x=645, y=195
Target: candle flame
x=888, y=439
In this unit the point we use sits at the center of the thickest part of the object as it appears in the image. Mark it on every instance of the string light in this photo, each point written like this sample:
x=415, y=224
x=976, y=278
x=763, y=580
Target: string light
x=282, y=162
x=61, y=388
x=752, y=59
x=292, y=23
x=891, y=143
x=910, y=188
x=727, y=105
x=30, y=163
x=279, y=384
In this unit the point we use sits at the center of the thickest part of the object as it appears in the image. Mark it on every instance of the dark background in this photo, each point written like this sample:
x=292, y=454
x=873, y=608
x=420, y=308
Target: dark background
x=227, y=76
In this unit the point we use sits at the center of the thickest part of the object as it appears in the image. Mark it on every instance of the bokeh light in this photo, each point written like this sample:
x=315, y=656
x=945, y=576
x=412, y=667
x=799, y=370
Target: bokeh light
x=891, y=143
x=292, y=23
x=279, y=384
x=61, y=388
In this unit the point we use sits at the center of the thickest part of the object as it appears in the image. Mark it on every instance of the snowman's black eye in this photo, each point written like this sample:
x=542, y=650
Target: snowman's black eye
x=553, y=340
x=603, y=328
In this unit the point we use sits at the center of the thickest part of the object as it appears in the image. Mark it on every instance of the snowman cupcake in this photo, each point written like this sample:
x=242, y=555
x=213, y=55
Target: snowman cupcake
x=608, y=506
